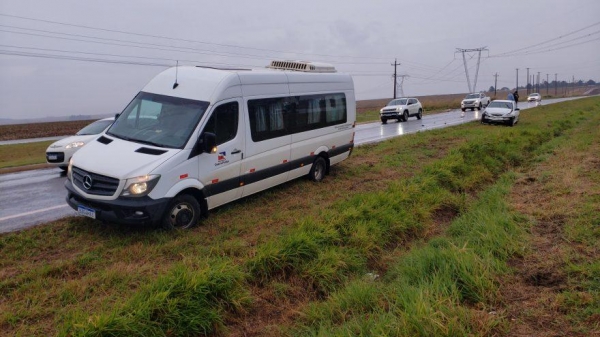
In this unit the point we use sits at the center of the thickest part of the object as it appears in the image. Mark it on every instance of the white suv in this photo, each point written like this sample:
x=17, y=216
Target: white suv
x=400, y=109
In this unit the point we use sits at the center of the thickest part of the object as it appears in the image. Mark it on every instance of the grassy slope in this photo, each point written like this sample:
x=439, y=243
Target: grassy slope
x=23, y=154
x=294, y=259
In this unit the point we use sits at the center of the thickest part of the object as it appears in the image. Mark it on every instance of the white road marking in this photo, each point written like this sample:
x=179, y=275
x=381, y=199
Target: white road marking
x=32, y=212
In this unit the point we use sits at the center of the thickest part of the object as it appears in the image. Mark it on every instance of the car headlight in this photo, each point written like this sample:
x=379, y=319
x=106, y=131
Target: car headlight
x=140, y=186
x=74, y=145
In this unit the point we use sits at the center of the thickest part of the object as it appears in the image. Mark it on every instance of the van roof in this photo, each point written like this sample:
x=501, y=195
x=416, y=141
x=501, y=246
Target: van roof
x=202, y=83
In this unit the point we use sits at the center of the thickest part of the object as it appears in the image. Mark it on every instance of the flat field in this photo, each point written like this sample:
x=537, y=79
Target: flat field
x=471, y=230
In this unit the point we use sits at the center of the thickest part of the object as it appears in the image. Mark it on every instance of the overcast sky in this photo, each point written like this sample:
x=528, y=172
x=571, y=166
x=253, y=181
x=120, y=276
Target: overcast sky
x=46, y=47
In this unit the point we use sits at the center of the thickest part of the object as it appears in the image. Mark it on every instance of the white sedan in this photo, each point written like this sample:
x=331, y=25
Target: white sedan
x=501, y=111
x=60, y=152
x=535, y=97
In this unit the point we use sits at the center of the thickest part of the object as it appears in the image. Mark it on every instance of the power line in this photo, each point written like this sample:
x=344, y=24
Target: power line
x=185, y=40
x=550, y=40
x=74, y=58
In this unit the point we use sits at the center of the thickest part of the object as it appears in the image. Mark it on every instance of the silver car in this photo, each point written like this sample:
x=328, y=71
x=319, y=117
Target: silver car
x=59, y=153
x=501, y=111
x=400, y=109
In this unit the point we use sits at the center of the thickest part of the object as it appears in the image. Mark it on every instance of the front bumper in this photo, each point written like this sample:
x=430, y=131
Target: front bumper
x=390, y=114
x=469, y=104
x=497, y=119
x=57, y=158
x=126, y=211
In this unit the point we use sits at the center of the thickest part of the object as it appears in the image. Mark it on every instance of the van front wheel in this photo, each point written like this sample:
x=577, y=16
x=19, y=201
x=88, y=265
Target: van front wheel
x=318, y=169
x=183, y=213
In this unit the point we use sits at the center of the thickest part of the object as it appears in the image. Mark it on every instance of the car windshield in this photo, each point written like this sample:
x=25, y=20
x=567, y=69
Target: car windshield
x=158, y=120
x=472, y=96
x=95, y=128
x=534, y=95
x=397, y=102
x=504, y=105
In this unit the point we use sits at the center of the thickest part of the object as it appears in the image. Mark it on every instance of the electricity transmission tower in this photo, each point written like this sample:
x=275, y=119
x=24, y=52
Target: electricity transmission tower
x=399, y=83
x=463, y=51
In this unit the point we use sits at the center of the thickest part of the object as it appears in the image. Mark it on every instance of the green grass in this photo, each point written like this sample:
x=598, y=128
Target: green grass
x=23, y=154
x=427, y=213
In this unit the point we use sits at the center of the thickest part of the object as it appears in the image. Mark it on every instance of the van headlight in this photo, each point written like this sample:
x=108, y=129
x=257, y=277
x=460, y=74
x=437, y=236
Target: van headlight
x=140, y=186
x=74, y=145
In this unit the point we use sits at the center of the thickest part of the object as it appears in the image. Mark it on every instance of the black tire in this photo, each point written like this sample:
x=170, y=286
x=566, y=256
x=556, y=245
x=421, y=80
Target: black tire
x=420, y=114
x=383, y=120
x=405, y=116
x=318, y=169
x=464, y=109
x=63, y=168
x=511, y=122
x=183, y=212
x=472, y=109
x=483, y=120
x=480, y=106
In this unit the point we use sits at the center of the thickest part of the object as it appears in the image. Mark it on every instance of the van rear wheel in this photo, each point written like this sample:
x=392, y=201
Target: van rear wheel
x=183, y=212
x=318, y=169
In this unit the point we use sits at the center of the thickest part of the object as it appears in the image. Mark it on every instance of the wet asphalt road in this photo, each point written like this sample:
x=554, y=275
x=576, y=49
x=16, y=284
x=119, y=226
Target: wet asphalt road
x=36, y=197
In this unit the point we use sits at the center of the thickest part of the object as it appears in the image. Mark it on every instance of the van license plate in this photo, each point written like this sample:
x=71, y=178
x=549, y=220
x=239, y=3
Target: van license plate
x=85, y=211
x=52, y=157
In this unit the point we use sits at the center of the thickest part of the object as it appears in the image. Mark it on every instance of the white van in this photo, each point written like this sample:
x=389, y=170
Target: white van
x=196, y=138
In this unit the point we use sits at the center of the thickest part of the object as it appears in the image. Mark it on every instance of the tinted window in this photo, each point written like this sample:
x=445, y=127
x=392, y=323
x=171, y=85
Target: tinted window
x=276, y=117
x=224, y=122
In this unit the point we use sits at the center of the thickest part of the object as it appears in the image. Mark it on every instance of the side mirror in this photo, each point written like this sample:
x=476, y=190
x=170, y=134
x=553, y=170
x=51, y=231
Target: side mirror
x=117, y=115
x=207, y=142
x=517, y=109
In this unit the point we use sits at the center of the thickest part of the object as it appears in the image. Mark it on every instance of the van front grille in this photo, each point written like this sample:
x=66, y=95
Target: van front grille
x=93, y=183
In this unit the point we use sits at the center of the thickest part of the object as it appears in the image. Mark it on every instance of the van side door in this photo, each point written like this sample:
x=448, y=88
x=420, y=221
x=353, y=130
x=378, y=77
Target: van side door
x=266, y=162
x=219, y=171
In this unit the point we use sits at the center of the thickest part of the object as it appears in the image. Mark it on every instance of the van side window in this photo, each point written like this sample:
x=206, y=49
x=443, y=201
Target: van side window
x=268, y=117
x=276, y=117
x=224, y=122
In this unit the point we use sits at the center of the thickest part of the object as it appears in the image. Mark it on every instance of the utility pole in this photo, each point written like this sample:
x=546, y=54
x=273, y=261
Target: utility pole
x=538, y=82
x=527, y=81
x=547, y=84
x=495, y=84
x=463, y=51
x=395, y=64
x=555, y=83
x=517, y=87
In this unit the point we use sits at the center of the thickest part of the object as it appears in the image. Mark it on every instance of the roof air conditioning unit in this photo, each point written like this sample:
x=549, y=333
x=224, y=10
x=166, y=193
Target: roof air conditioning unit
x=304, y=66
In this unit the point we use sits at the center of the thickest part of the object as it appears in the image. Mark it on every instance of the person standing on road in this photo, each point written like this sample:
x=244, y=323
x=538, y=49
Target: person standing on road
x=510, y=96
x=516, y=96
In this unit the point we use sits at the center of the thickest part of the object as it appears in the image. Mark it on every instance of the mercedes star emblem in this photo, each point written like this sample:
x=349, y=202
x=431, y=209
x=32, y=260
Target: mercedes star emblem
x=87, y=182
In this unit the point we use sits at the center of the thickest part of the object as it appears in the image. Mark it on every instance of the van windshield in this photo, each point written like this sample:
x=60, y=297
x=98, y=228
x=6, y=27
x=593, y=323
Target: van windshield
x=158, y=120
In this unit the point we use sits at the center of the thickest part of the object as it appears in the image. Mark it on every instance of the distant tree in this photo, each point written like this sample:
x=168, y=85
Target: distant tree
x=591, y=82
x=491, y=88
x=503, y=89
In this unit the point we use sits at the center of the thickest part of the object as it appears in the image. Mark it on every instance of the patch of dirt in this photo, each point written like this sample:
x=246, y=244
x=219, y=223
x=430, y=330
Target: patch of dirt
x=530, y=294
x=40, y=130
x=271, y=308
